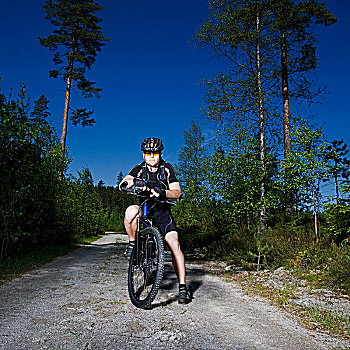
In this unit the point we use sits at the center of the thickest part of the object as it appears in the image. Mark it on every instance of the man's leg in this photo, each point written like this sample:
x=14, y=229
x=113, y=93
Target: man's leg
x=179, y=265
x=178, y=257
x=130, y=223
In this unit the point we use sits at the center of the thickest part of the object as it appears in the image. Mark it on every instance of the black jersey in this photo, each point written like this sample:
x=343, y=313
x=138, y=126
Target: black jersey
x=164, y=175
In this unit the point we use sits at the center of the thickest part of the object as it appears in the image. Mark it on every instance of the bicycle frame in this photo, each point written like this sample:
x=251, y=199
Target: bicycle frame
x=145, y=221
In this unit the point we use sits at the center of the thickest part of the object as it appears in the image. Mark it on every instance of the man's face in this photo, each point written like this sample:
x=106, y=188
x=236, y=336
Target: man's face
x=152, y=158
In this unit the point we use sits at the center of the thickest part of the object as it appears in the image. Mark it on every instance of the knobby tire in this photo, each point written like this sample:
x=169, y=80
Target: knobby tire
x=144, y=279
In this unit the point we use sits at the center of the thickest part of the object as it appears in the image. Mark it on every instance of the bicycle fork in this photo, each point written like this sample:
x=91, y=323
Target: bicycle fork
x=138, y=232
x=137, y=245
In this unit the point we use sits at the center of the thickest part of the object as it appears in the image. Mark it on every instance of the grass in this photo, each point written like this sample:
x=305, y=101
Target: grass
x=13, y=267
x=333, y=322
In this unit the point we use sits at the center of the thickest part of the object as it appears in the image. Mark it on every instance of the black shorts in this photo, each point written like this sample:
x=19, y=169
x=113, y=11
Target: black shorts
x=164, y=221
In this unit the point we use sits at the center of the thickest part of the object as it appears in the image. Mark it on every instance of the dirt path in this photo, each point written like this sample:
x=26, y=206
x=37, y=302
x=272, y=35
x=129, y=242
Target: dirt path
x=80, y=301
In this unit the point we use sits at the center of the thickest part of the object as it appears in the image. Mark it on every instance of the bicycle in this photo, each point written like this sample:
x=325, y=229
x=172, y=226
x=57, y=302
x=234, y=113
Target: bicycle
x=146, y=265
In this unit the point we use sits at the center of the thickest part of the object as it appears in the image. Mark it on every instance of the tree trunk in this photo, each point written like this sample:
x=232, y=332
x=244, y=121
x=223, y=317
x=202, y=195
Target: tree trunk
x=65, y=116
x=2, y=251
x=286, y=116
x=262, y=149
x=336, y=187
x=258, y=264
x=315, y=212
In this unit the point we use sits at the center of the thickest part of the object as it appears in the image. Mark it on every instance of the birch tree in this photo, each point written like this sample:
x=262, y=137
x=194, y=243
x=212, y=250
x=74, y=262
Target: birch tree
x=238, y=99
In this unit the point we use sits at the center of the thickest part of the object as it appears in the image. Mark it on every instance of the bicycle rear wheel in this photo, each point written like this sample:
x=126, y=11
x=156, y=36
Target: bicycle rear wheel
x=144, y=278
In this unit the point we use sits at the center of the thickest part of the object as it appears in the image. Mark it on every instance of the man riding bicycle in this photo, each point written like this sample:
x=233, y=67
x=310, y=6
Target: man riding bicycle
x=157, y=178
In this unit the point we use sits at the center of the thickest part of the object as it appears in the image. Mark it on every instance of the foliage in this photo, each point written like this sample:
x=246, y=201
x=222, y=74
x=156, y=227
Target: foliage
x=36, y=207
x=305, y=164
x=337, y=216
x=114, y=203
x=235, y=178
x=336, y=162
x=79, y=207
x=29, y=162
x=290, y=238
x=195, y=223
x=240, y=33
x=337, y=274
x=294, y=23
x=76, y=40
x=191, y=168
x=337, y=219
x=259, y=257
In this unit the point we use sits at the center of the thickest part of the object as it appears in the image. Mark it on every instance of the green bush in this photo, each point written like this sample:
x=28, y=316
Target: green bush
x=29, y=164
x=337, y=272
x=208, y=229
x=337, y=217
x=36, y=207
x=79, y=208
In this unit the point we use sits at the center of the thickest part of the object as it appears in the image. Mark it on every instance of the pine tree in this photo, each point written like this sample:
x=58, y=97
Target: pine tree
x=337, y=163
x=294, y=22
x=191, y=165
x=76, y=41
x=120, y=177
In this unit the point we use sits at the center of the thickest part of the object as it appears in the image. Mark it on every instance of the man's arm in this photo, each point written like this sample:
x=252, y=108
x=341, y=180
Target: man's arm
x=174, y=191
x=129, y=179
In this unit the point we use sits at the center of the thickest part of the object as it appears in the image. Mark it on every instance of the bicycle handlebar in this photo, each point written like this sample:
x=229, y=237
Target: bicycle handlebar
x=138, y=193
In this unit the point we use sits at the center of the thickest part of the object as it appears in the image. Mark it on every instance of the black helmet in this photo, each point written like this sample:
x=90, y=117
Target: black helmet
x=152, y=144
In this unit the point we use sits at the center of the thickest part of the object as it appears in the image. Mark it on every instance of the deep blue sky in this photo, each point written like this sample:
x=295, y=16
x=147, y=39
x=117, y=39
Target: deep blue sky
x=149, y=74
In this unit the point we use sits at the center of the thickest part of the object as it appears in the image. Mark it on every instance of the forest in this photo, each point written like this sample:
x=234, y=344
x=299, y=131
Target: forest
x=254, y=194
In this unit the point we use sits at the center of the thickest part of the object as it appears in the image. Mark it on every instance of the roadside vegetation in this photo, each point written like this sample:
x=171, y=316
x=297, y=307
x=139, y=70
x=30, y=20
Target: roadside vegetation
x=266, y=188
x=41, y=213
x=219, y=219
x=301, y=296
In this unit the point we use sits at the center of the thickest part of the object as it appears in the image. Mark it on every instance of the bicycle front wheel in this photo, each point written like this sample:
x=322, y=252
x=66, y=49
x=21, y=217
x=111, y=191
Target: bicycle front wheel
x=144, y=277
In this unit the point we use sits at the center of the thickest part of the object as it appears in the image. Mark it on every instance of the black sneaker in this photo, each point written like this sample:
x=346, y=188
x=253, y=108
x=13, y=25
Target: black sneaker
x=184, y=297
x=128, y=250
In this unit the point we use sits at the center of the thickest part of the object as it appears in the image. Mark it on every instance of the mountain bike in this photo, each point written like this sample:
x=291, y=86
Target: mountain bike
x=146, y=265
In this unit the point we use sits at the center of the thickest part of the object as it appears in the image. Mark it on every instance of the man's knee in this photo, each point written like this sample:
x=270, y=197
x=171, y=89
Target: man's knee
x=131, y=213
x=172, y=238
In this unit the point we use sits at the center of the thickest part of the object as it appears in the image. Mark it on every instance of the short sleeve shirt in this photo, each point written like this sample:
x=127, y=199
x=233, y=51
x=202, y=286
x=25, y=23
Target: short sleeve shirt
x=164, y=176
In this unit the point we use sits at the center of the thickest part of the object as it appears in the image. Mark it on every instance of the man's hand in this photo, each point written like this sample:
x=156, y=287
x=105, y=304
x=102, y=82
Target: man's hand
x=139, y=183
x=123, y=184
x=158, y=192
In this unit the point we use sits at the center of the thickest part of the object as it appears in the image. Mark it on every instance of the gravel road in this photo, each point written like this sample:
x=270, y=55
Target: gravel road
x=80, y=301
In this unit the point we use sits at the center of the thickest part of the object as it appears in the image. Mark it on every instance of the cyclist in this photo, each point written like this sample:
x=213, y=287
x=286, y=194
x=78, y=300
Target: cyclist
x=158, y=178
